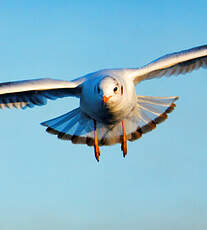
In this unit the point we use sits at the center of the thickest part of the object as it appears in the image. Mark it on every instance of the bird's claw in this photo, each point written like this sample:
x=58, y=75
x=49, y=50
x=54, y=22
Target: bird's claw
x=97, y=152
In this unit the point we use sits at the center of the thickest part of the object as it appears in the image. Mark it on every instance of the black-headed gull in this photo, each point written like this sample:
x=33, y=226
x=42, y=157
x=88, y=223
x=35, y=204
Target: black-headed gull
x=110, y=111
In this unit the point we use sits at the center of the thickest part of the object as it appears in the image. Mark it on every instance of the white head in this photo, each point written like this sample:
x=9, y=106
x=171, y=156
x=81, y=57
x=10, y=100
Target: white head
x=109, y=90
x=108, y=98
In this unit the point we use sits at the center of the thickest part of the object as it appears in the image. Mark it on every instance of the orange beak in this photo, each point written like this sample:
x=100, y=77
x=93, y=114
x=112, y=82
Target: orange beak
x=105, y=99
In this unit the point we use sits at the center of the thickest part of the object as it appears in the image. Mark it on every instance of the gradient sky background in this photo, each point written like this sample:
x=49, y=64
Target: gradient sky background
x=51, y=184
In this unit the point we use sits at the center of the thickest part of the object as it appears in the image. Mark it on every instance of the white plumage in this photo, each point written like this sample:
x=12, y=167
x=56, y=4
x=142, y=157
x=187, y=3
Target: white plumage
x=110, y=111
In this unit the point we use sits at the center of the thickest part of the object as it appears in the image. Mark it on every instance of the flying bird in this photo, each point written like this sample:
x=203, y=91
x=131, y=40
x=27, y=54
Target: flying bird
x=110, y=111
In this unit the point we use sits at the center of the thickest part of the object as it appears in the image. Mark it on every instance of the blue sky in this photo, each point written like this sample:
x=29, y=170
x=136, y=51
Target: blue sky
x=51, y=184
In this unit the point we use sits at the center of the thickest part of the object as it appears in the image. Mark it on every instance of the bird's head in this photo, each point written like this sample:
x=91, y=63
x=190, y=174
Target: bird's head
x=109, y=90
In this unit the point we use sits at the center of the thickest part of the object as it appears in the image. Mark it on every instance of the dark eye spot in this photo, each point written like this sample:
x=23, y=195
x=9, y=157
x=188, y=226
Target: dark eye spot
x=115, y=89
x=121, y=90
x=98, y=89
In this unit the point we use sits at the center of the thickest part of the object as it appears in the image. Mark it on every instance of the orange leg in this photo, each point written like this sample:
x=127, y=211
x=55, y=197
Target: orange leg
x=96, y=147
x=124, y=141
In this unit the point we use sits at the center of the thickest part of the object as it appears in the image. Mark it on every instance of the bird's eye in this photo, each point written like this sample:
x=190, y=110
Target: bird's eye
x=115, y=89
x=98, y=89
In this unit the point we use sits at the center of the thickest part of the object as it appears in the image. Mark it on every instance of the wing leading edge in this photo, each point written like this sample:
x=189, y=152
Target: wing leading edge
x=23, y=94
x=173, y=64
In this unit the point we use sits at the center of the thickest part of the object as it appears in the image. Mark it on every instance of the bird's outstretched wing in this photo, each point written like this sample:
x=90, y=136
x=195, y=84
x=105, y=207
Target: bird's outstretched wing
x=23, y=94
x=173, y=64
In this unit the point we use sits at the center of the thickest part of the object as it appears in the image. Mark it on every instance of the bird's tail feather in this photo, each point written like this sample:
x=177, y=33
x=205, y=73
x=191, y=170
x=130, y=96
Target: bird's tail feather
x=73, y=126
x=79, y=128
x=149, y=112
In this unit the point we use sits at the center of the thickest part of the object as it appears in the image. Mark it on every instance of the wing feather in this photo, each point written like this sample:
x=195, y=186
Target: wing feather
x=173, y=64
x=23, y=94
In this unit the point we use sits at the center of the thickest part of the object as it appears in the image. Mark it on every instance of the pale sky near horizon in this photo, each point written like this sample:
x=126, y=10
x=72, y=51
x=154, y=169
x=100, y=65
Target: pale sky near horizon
x=51, y=184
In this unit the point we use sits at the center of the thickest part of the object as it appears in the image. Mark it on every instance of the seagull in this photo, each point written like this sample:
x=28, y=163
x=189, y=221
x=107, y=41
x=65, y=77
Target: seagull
x=110, y=111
